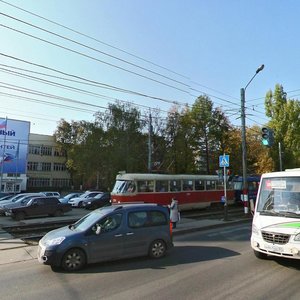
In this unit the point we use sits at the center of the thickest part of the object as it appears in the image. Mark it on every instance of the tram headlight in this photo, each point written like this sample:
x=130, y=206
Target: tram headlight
x=255, y=230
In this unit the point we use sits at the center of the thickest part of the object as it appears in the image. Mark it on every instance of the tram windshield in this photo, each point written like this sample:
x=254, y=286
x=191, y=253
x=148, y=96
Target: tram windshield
x=124, y=186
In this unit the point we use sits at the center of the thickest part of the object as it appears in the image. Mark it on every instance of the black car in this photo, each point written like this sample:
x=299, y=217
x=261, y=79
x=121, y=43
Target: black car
x=98, y=201
x=41, y=206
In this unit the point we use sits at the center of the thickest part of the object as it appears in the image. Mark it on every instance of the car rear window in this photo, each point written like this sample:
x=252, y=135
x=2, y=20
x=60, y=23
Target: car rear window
x=140, y=219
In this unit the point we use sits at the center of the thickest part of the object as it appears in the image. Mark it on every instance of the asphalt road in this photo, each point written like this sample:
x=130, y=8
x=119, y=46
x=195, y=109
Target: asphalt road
x=212, y=264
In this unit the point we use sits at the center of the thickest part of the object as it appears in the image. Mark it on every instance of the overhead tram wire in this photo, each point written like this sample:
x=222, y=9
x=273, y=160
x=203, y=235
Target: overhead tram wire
x=113, y=47
x=51, y=96
x=94, y=49
x=93, y=58
x=86, y=81
x=88, y=55
x=43, y=102
x=227, y=101
x=52, y=83
x=97, y=40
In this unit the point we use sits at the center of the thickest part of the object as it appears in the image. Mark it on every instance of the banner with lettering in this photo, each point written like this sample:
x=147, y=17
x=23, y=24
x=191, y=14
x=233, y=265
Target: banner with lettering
x=14, y=136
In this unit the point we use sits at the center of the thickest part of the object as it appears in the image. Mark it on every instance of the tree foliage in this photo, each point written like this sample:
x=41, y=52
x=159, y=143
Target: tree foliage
x=284, y=120
x=189, y=141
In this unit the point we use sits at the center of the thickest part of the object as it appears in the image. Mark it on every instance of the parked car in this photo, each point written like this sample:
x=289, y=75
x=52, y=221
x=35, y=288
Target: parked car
x=41, y=206
x=21, y=201
x=98, y=201
x=77, y=202
x=17, y=197
x=108, y=233
x=6, y=197
x=3, y=194
x=51, y=194
x=70, y=196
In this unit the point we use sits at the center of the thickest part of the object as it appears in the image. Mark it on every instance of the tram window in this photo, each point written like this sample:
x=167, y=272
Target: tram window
x=129, y=187
x=187, y=185
x=175, y=185
x=145, y=186
x=161, y=186
x=199, y=185
x=210, y=185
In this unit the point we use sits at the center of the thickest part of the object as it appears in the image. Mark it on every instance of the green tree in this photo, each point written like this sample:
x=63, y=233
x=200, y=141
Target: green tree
x=125, y=144
x=284, y=120
x=210, y=131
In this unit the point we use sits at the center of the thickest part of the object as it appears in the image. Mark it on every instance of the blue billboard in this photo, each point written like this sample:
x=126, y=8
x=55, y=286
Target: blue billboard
x=14, y=136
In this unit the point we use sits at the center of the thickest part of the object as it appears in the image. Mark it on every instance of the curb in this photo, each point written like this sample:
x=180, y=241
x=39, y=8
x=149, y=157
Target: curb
x=202, y=228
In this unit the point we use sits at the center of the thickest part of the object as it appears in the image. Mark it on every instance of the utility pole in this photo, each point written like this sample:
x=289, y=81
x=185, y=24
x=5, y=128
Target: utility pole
x=244, y=150
x=150, y=144
x=280, y=157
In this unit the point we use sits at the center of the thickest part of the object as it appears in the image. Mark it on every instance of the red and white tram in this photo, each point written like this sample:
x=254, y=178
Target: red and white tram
x=191, y=191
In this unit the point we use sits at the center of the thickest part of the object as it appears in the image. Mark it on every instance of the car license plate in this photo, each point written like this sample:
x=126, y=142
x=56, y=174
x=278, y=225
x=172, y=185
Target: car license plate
x=273, y=248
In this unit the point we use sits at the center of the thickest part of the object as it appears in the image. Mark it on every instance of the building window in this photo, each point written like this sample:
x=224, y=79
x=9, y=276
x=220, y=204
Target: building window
x=32, y=166
x=46, y=166
x=39, y=182
x=61, y=182
x=59, y=167
x=59, y=152
x=46, y=150
x=34, y=149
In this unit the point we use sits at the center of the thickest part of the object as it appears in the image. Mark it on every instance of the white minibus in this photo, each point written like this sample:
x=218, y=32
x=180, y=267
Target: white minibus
x=276, y=220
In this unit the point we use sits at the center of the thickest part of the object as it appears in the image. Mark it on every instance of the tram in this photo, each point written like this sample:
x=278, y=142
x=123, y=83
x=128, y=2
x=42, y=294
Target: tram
x=191, y=191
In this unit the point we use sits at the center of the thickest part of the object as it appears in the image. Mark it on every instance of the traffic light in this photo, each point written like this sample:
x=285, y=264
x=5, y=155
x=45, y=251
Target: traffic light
x=267, y=136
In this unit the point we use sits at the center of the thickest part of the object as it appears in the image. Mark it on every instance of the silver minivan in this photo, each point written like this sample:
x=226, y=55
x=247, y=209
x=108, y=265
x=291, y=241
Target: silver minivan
x=109, y=233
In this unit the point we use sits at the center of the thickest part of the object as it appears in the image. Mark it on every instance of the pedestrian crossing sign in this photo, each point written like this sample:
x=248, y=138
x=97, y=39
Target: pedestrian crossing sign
x=224, y=161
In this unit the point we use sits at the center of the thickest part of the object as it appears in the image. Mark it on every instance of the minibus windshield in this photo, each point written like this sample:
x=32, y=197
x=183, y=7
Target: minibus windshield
x=279, y=196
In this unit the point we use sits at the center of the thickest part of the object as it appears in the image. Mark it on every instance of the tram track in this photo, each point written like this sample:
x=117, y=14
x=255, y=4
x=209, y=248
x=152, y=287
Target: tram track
x=32, y=233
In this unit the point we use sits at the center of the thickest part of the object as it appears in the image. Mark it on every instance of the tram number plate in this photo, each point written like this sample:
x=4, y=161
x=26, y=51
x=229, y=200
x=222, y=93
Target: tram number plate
x=273, y=248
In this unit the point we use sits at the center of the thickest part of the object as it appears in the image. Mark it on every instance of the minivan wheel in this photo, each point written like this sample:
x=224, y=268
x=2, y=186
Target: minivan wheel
x=157, y=249
x=73, y=260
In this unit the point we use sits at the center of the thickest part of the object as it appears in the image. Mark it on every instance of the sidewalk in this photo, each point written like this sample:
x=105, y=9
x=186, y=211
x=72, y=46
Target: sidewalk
x=15, y=250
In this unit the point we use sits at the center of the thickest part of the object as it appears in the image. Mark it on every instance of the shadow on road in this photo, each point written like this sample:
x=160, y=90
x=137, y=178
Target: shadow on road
x=180, y=255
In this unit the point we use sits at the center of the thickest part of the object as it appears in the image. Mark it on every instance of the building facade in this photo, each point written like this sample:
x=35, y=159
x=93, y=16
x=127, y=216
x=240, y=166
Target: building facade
x=46, y=166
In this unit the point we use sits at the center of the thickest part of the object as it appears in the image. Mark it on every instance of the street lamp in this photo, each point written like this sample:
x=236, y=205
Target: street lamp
x=244, y=149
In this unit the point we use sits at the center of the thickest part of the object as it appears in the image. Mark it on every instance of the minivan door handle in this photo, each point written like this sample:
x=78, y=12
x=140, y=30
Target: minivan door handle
x=118, y=235
x=129, y=233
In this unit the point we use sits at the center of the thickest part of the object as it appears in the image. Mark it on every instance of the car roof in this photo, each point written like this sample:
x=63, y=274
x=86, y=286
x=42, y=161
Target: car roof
x=133, y=206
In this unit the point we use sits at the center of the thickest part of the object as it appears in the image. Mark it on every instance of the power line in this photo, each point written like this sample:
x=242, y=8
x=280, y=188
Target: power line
x=109, y=45
x=93, y=58
x=86, y=81
x=94, y=39
x=94, y=49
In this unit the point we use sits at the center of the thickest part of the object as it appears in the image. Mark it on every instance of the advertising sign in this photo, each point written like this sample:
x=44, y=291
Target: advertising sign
x=14, y=136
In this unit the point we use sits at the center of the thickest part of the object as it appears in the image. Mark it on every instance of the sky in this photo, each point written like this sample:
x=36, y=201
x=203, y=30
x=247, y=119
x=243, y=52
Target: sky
x=71, y=58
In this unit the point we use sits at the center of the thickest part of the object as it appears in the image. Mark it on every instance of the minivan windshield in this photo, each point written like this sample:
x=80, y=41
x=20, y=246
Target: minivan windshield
x=90, y=219
x=280, y=196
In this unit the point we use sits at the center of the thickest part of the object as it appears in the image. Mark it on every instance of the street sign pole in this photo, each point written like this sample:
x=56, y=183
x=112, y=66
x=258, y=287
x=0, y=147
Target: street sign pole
x=224, y=162
x=225, y=196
